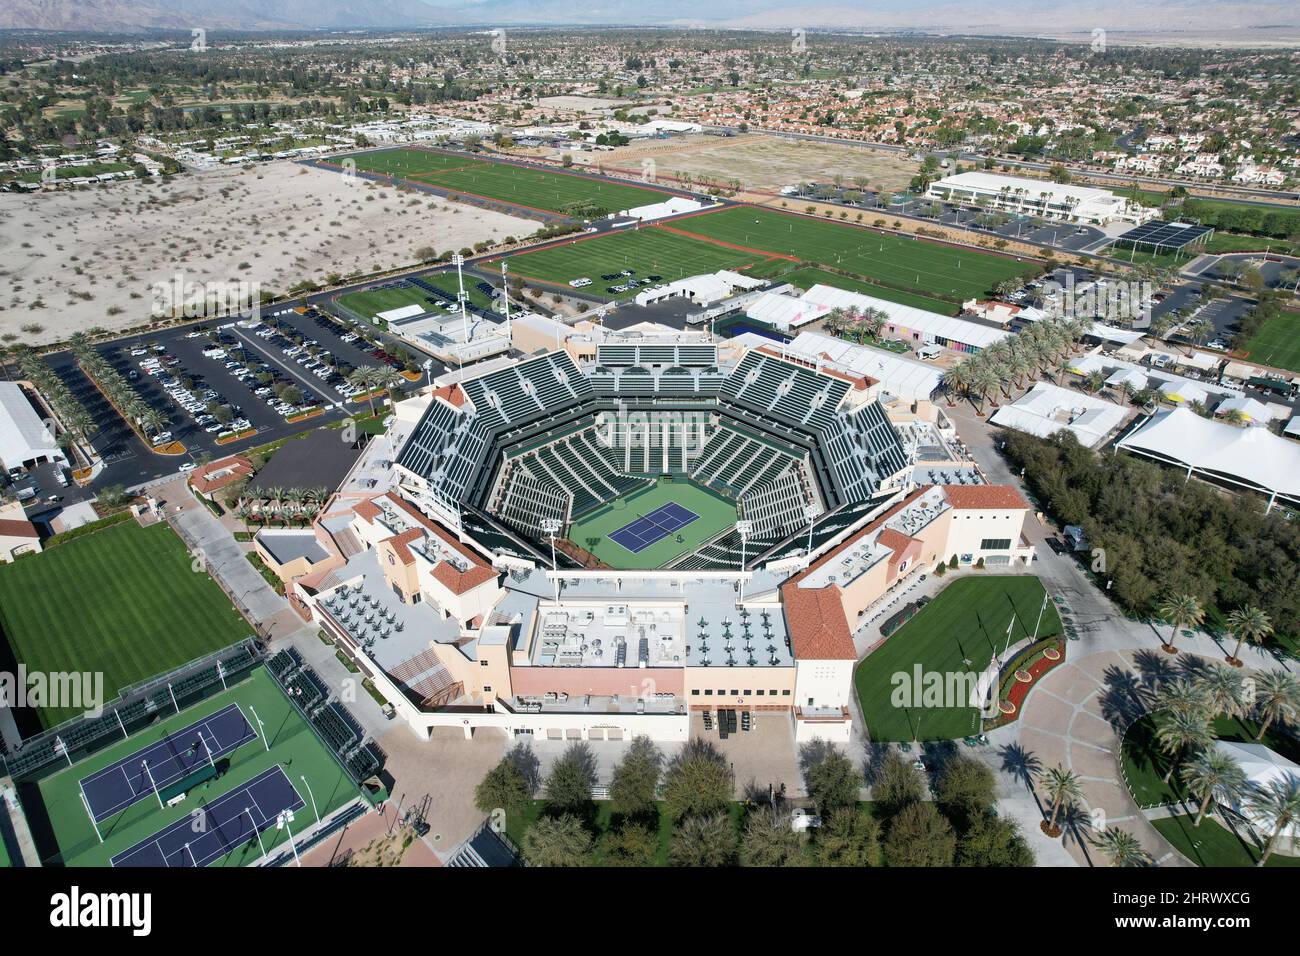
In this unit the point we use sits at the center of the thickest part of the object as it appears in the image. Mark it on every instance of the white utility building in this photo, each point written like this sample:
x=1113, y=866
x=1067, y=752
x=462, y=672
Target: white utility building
x=1039, y=197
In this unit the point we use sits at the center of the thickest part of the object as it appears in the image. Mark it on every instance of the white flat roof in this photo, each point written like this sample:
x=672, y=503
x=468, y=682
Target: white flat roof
x=897, y=375
x=1046, y=409
x=405, y=312
x=993, y=182
x=929, y=324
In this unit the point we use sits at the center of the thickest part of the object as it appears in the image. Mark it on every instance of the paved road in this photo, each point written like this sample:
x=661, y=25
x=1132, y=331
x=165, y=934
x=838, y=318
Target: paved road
x=225, y=560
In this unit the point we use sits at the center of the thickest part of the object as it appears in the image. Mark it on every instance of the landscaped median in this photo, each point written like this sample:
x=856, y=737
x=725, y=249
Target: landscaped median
x=226, y=438
x=303, y=416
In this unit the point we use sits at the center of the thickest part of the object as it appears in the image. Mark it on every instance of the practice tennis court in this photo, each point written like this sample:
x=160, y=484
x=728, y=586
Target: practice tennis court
x=217, y=828
x=143, y=773
x=638, y=535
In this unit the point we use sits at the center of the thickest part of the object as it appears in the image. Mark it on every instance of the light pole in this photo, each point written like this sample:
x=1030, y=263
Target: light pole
x=743, y=528
x=811, y=512
x=303, y=778
x=550, y=527
x=256, y=831
x=282, y=823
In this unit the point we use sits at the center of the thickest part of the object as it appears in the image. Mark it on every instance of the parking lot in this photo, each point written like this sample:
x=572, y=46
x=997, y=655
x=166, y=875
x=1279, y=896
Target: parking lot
x=243, y=382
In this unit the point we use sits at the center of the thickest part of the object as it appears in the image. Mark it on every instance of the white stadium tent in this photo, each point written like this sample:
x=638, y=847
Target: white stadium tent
x=1252, y=410
x=24, y=438
x=1262, y=767
x=1247, y=457
x=916, y=325
x=785, y=311
x=1046, y=409
x=897, y=375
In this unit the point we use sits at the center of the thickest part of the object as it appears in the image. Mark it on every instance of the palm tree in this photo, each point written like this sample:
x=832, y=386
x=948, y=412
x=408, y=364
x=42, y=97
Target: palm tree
x=1063, y=788
x=956, y=380
x=1213, y=775
x=1180, y=696
x=1178, y=732
x=1247, y=623
x=243, y=513
x=983, y=381
x=152, y=421
x=387, y=378
x=1181, y=611
x=363, y=377
x=1225, y=691
x=1277, y=699
x=1121, y=847
x=1279, y=803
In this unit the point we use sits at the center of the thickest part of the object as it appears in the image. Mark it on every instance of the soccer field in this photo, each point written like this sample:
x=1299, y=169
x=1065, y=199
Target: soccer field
x=1277, y=343
x=649, y=251
x=966, y=621
x=592, y=531
x=373, y=301
x=536, y=188
x=125, y=601
x=809, y=277
x=293, y=745
x=902, y=261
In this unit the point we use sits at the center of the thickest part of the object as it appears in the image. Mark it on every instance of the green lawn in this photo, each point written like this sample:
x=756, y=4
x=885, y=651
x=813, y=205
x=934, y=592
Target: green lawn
x=1145, y=764
x=808, y=277
x=648, y=251
x=904, y=262
x=1277, y=342
x=61, y=816
x=371, y=302
x=716, y=514
x=552, y=191
x=125, y=601
x=1211, y=844
x=967, y=620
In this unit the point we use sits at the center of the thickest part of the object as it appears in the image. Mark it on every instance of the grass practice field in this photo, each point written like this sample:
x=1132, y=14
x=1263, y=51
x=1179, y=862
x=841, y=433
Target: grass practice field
x=591, y=531
x=373, y=301
x=649, y=251
x=124, y=601
x=61, y=817
x=967, y=620
x=1211, y=844
x=809, y=277
x=537, y=188
x=1277, y=343
x=904, y=262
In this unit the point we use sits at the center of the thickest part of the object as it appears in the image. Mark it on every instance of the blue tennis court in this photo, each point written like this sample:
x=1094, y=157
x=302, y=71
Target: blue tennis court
x=215, y=829
x=117, y=786
x=657, y=525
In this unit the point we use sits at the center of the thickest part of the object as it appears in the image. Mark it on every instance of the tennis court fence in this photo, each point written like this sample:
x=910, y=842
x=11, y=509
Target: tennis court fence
x=135, y=708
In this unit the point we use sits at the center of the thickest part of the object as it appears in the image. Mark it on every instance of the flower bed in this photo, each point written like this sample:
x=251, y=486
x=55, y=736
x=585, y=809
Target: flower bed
x=1021, y=674
x=227, y=438
x=303, y=416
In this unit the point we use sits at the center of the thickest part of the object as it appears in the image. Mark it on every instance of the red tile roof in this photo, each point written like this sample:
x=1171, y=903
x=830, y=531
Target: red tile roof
x=17, y=529
x=223, y=471
x=458, y=582
x=985, y=497
x=818, y=628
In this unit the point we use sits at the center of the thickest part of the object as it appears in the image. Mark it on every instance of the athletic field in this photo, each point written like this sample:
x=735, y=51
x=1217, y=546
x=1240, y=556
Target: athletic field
x=966, y=621
x=809, y=277
x=67, y=830
x=1277, y=343
x=125, y=601
x=648, y=251
x=373, y=301
x=592, y=531
x=535, y=188
x=901, y=261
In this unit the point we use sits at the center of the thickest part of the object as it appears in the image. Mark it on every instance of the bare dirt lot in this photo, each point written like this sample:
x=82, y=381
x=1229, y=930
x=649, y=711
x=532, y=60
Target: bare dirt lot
x=764, y=162
x=75, y=260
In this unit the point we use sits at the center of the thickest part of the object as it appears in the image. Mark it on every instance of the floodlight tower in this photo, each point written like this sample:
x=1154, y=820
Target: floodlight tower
x=505, y=297
x=458, y=260
x=282, y=823
x=551, y=527
x=811, y=512
x=743, y=528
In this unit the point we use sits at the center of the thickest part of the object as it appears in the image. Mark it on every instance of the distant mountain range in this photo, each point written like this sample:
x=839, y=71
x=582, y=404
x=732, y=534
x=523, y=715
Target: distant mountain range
x=1017, y=17
x=128, y=16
